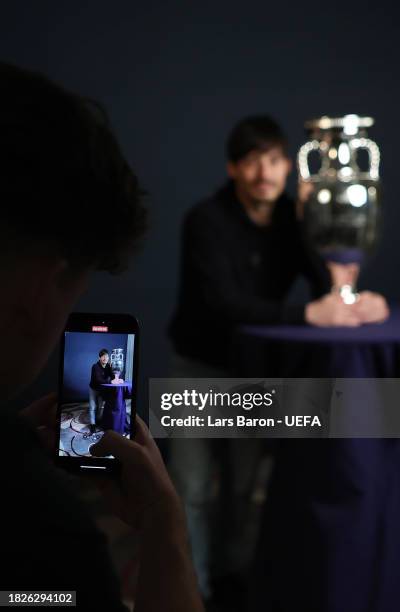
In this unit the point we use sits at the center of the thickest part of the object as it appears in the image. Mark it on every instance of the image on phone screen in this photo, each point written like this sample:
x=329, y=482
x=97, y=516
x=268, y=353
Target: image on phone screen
x=97, y=388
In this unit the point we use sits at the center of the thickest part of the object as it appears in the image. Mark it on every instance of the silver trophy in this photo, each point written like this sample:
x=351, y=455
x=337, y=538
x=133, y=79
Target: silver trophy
x=341, y=216
x=117, y=359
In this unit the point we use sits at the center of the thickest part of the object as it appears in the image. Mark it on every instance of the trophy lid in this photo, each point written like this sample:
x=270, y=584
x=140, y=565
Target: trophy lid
x=349, y=123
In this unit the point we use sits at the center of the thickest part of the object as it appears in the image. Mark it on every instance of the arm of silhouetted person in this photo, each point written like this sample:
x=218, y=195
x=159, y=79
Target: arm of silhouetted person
x=146, y=500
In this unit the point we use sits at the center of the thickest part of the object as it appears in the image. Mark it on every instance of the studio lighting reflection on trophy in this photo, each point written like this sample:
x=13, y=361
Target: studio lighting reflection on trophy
x=340, y=167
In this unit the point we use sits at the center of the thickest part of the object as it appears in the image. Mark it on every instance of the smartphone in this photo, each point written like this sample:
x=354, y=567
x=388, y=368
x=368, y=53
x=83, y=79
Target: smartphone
x=97, y=387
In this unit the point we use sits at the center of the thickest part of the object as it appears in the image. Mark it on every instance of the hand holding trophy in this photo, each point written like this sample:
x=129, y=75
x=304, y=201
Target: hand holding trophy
x=340, y=206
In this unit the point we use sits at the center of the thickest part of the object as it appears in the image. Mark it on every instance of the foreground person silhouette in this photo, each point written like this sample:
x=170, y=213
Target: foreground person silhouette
x=62, y=172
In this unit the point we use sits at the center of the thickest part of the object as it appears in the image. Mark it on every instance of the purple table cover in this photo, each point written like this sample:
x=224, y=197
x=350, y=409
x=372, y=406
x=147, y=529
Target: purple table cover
x=370, y=351
x=114, y=411
x=330, y=536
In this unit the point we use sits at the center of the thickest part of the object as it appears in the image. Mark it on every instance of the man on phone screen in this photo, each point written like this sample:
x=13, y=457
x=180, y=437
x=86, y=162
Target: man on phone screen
x=101, y=374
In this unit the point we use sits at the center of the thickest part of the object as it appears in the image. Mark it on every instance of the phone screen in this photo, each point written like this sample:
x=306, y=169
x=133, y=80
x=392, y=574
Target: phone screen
x=98, y=387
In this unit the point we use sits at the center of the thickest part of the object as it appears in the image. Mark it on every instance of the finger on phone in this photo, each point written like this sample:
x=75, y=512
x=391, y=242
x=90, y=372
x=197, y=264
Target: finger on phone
x=142, y=432
x=114, y=444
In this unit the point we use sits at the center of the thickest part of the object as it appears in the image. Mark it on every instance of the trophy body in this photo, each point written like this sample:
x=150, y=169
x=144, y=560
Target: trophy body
x=341, y=215
x=117, y=359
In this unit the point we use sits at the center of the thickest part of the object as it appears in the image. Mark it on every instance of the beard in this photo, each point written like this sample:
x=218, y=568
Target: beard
x=261, y=201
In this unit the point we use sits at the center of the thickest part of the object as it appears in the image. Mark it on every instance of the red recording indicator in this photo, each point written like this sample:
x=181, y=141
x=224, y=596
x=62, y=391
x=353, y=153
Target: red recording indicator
x=99, y=328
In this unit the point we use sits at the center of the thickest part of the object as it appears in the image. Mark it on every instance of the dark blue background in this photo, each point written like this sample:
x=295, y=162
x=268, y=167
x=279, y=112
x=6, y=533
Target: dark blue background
x=81, y=352
x=175, y=76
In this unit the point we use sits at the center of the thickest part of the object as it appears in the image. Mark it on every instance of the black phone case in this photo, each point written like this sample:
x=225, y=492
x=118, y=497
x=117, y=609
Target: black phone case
x=84, y=322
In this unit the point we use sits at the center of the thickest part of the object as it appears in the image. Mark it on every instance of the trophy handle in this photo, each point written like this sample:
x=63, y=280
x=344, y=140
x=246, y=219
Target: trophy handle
x=302, y=157
x=373, y=152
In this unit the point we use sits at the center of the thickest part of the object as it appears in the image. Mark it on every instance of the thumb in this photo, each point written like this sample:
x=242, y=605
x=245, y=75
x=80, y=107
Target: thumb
x=113, y=443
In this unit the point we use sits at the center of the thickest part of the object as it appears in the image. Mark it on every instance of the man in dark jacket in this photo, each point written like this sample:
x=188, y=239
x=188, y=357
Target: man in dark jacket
x=242, y=251
x=101, y=374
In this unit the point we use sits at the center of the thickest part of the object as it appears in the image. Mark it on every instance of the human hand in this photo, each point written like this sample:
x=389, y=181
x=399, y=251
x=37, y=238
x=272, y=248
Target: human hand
x=331, y=311
x=144, y=496
x=371, y=307
x=42, y=414
x=304, y=191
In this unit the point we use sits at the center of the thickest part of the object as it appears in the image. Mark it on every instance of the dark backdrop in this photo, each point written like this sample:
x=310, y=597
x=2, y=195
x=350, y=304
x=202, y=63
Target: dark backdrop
x=174, y=77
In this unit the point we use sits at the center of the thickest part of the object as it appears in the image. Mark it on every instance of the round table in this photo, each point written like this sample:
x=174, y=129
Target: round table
x=304, y=351
x=330, y=535
x=114, y=411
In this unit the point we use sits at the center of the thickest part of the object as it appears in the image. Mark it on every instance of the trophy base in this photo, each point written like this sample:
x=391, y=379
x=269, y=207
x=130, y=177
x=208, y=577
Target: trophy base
x=344, y=256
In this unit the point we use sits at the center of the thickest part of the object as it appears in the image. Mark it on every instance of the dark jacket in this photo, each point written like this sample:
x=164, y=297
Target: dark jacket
x=100, y=376
x=234, y=272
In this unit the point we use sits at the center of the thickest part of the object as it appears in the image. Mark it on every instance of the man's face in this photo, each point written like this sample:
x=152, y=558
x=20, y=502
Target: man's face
x=261, y=175
x=104, y=359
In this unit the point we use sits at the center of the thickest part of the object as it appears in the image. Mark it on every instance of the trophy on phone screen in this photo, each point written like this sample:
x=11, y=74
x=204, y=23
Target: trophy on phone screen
x=117, y=359
x=342, y=213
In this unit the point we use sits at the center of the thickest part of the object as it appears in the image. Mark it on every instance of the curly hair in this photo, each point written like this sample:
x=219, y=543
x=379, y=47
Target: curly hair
x=63, y=177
